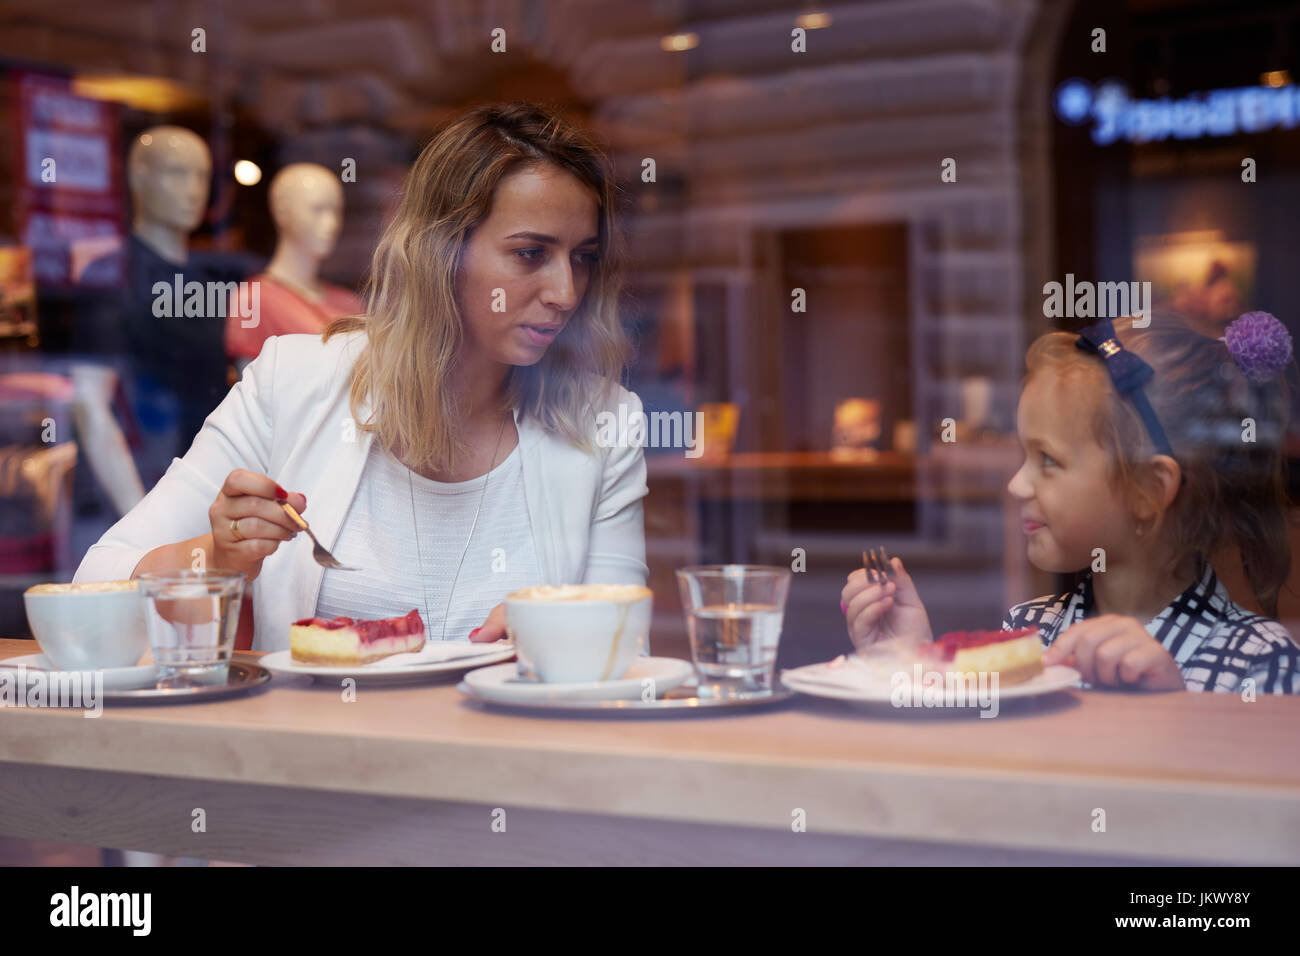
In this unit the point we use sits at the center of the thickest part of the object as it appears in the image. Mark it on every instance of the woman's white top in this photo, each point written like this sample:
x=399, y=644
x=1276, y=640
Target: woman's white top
x=289, y=418
x=406, y=534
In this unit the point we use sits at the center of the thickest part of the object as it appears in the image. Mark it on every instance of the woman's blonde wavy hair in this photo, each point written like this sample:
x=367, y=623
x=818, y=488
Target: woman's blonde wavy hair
x=414, y=324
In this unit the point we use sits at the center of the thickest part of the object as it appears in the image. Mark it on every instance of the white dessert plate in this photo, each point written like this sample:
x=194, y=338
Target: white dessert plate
x=502, y=684
x=115, y=678
x=848, y=677
x=436, y=657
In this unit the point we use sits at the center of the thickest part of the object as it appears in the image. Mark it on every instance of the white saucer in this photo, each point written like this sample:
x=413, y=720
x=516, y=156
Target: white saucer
x=115, y=678
x=436, y=657
x=503, y=683
x=848, y=678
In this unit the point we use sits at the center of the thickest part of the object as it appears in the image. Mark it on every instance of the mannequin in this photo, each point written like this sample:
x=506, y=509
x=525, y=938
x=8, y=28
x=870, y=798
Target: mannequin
x=168, y=170
x=175, y=366
x=307, y=207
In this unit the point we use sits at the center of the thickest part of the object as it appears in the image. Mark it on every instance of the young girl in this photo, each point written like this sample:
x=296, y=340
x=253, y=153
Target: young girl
x=1147, y=451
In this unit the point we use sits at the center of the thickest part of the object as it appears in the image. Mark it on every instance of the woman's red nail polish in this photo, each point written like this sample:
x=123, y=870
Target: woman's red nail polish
x=843, y=608
x=475, y=631
x=281, y=494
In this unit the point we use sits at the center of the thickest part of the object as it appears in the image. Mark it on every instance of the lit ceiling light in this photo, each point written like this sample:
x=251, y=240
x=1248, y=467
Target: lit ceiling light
x=153, y=94
x=813, y=21
x=1275, y=78
x=247, y=173
x=678, y=42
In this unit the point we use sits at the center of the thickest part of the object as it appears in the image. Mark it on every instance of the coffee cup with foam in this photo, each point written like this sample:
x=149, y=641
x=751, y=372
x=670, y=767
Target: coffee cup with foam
x=88, y=626
x=578, y=633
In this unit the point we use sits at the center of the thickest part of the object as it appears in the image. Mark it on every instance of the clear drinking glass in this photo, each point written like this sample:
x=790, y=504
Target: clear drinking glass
x=734, y=614
x=192, y=617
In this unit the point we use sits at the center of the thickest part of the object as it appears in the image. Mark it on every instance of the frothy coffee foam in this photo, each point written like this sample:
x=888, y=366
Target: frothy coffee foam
x=582, y=592
x=86, y=587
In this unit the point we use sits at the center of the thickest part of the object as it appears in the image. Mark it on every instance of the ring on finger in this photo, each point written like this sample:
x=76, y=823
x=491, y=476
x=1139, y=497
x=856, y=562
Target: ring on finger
x=234, y=529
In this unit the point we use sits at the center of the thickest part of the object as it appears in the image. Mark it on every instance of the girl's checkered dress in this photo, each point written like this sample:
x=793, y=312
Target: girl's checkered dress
x=1217, y=644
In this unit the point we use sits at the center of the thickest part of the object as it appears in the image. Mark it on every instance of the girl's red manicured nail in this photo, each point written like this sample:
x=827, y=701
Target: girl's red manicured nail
x=475, y=631
x=843, y=608
x=281, y=494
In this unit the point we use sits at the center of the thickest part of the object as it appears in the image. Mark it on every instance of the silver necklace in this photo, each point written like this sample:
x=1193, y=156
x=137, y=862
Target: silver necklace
x=410, y=482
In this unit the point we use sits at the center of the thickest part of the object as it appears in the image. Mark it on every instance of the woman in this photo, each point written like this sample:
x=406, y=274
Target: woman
x=443, y=445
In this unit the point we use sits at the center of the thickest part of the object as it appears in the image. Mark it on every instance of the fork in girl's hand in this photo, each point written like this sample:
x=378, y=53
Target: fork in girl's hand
x=876, y=563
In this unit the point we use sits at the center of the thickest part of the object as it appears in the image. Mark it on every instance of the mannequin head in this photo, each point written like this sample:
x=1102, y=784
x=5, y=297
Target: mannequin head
x=307, y=206
x=169, y=170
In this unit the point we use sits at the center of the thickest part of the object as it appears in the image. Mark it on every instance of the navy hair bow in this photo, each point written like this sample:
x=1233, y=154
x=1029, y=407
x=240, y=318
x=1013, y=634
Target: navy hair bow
x=1128, y=372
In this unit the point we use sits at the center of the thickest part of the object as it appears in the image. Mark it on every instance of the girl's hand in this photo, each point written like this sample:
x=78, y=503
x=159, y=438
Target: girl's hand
x=247, y=522
x=882, y=610
x=1116, y=651
x=493, y=629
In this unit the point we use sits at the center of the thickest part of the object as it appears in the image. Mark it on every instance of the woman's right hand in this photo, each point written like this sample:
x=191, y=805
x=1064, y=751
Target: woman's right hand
x=877, y=611
x=248, y=523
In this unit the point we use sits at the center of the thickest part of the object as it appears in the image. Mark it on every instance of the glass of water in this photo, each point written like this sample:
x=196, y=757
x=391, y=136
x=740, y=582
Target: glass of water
x=192, y=617
x=734, y=614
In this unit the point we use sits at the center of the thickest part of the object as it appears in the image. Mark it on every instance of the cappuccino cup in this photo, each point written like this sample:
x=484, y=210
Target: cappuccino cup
x=88, y=626
x=578, y=633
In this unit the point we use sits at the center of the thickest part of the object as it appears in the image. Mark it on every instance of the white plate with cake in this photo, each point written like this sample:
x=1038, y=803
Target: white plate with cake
x=882, y=674
x=392, y=650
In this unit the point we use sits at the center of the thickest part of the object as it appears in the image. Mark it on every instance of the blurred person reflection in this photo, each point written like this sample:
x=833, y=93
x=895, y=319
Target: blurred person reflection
x=1210, y=307
x=1222, y=301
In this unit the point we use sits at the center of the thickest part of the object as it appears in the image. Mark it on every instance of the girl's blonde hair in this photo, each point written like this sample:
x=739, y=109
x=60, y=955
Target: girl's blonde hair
x=1234, y=492
x=414, y=325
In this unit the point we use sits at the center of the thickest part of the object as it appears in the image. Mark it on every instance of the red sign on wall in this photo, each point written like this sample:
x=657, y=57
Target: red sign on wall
x=70, y=195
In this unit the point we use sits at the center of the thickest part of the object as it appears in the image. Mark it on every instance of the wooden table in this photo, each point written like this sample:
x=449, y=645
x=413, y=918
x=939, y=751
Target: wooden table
x=292, y=774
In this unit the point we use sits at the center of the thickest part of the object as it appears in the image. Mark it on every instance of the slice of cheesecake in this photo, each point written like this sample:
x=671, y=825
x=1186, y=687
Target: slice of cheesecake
x=1016, y=656
x=344, y=642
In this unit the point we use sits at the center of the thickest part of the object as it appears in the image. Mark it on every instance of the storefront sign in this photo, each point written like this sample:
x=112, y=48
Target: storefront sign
x=1115, y=117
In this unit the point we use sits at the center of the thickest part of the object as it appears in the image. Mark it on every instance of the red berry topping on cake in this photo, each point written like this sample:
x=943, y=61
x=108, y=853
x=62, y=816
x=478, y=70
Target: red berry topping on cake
x=344, y=641
x=370, y=630
x=945, y=648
